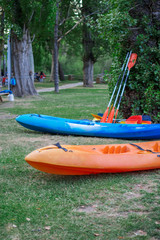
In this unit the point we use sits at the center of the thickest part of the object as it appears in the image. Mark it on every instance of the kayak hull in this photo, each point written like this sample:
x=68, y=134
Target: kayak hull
x=56, y=125
x=94, y=159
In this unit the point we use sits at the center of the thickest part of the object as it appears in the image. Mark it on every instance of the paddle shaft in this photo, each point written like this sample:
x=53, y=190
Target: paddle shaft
x=130, y=65
x=121, y=96
x=122, y=80
x=105, y=115
x=110, y=118
x=118, y=80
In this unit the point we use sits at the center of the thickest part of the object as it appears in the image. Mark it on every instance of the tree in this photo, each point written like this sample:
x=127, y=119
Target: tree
x=65, y=13
x=1, y=36
x=24, y=17
x=145, y=37
x=56, y=80
x=71, y=15
x=135, y=25
x=68, y=18
x=88, y=44
x=92, y=43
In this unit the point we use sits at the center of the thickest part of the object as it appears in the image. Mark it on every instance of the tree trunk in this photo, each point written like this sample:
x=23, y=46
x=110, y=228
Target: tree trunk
x=22, y=56
x=2, y=38
x=31, y=62
x=52, y=68
x=56, y=75
x=60, y=70
x=88, y=73
x=88, y=43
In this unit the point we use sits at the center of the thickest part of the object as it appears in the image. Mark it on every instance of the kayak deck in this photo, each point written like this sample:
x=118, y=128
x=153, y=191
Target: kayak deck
x=94, y=159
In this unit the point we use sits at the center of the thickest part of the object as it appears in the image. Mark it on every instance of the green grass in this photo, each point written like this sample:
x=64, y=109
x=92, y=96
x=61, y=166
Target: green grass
x=37, y=205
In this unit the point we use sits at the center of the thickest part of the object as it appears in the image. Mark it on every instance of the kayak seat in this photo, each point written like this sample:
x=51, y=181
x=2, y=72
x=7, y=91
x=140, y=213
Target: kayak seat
x=115, y=150
x=156, y=147
x=134, y=119
x=146, y=119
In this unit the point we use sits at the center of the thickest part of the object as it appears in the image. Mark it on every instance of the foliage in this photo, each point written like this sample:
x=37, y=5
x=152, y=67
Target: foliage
x=72, y=64
x=42, y=57
x=94, y=12
x=29, y=14
x=130, y=27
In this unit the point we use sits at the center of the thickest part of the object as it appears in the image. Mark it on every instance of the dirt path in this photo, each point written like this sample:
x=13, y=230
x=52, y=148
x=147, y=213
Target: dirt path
x=70, y=85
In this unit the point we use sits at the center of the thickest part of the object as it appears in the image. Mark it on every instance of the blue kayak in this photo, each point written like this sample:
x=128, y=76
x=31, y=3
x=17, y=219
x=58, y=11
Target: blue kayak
x=56, y=125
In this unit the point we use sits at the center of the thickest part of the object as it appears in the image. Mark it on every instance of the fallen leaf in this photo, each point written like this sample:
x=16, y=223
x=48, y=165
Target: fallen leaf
x=47, y=227
x=157, y=222
x=140, y=233
x=96, y=234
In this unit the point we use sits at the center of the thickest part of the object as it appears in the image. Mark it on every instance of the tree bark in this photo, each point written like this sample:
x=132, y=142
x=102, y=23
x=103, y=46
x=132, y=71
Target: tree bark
x=2, y=38
x=88, y=43
x=22, y=56
x=88, y=73
x=56, y=75
x=52, y=68
x=60, y=70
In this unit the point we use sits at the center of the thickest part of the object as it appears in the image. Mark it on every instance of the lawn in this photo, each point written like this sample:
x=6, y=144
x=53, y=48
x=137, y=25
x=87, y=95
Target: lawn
x=37, y=205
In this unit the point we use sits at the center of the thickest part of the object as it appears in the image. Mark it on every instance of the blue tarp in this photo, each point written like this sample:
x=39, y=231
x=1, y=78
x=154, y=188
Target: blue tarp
x=6, y=91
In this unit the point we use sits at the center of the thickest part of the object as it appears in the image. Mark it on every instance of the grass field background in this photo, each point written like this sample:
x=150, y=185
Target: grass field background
x=37, y=205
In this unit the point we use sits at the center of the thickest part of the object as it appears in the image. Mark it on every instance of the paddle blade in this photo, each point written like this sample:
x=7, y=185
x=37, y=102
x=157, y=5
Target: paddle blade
x=111, y=116
x=116, y=115
x=132, y=60
x=96, y=117
x=105, y=115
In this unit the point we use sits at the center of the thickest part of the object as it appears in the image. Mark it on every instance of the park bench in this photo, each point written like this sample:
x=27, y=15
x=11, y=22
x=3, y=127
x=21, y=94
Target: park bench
x=3, y=94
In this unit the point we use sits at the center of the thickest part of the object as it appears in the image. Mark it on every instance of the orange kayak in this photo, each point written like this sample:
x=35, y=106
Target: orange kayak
x=94, y=159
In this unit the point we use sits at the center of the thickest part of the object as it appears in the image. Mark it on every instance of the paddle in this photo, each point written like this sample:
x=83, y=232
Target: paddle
x=105, y=115
x=131, y=63
x=111, y=115
x=97, y=117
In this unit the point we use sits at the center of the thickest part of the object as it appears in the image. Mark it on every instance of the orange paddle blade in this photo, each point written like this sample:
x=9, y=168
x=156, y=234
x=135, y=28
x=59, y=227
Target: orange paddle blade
x=96, y=116
x=116, y=115
x=132, y=60
x=111, y=116
x=105, y=115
